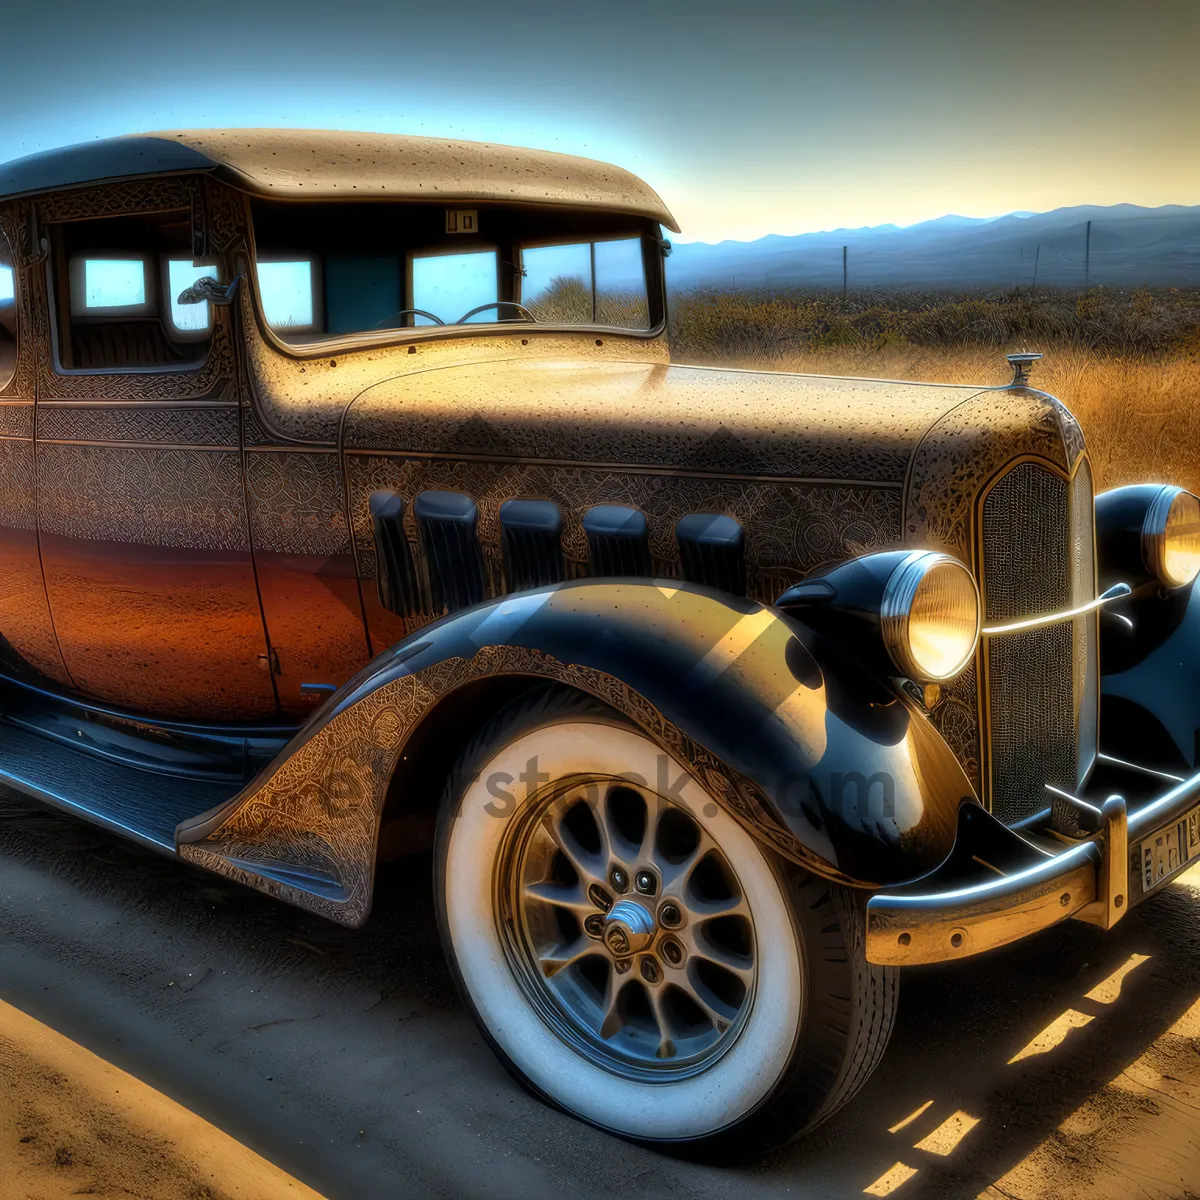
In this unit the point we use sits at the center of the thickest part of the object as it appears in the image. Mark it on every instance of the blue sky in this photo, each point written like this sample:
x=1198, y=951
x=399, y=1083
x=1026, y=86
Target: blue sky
x=748, y=119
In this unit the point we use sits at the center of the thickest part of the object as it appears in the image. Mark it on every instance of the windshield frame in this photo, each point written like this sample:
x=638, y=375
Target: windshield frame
x=324, y=345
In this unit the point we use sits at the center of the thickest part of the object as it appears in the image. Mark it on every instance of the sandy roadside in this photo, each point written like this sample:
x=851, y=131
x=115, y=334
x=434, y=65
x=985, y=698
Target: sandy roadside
x=72, y=1124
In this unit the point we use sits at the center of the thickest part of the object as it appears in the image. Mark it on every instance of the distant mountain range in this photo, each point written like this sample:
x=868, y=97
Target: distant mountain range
x=1130, y=246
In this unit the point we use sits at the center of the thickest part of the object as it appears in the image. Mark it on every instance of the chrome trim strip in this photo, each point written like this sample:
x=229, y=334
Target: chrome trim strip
x=101, y=404
x=352, y=449
x=1116, y=592
x=1132, y=766
x=229, y=448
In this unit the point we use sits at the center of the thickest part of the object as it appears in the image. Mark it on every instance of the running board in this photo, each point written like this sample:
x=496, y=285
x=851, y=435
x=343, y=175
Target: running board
x=215, y=753
x=138, y=804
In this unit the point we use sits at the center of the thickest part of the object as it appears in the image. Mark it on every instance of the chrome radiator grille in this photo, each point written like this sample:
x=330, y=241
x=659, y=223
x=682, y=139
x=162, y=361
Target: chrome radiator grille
x=1040, y=684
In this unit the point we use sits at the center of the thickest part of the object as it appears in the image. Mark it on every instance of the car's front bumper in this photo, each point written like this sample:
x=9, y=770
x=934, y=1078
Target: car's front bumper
x=998, y=886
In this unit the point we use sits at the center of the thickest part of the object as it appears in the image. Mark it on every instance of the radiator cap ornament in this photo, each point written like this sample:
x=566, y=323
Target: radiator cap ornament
x=1020, y=364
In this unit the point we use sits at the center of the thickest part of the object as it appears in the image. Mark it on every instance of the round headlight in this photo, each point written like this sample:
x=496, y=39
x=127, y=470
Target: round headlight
x=930, y=616
x=1171, y=537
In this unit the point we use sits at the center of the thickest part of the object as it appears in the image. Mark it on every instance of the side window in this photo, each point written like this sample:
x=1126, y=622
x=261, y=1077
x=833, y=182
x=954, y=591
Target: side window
x=587, y=283
x=8, y=314
x=187, y=322
x=105, y=285
x=289, y=289
x=450, y=285
x=118, y=284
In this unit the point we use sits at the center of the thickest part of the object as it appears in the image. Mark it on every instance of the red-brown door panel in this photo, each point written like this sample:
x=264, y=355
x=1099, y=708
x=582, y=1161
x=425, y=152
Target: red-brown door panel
x=306, y=571
x=24, y=615
x=146, y=554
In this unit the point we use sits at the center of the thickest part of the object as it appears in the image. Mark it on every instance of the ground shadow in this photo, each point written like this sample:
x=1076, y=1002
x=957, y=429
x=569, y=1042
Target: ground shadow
x=958, y=1025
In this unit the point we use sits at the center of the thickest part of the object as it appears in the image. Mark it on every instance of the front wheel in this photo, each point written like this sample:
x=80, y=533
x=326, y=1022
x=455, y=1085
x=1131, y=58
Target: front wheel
x=635, y=956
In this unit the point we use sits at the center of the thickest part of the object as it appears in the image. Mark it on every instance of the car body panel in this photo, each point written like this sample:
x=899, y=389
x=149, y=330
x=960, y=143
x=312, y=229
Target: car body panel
x=811, y=754
x=25, y=621
x=142, y=516
x=1150, y=684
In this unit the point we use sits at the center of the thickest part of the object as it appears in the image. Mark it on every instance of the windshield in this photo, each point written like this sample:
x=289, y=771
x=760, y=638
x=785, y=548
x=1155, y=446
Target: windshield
x=332, y=271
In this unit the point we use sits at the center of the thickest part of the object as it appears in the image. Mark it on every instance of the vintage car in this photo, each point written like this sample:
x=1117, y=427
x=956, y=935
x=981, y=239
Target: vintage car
x=352, y=506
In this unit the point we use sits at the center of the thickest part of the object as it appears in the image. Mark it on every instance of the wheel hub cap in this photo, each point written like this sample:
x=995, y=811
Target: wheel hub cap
x=628, y=929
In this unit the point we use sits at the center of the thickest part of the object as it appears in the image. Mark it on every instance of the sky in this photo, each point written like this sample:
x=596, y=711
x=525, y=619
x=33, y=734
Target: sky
x=748, y=118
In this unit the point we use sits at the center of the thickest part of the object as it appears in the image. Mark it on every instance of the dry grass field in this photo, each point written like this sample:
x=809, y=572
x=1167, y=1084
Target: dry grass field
x=1127, y=364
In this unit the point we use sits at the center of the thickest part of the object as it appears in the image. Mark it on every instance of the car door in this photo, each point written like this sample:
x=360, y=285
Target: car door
x=141, y=504
x=26, y=632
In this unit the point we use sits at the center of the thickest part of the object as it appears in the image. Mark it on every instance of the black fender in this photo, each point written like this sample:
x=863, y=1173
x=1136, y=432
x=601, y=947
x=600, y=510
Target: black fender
x=1149, y=645
x=803, y=745
x=1150, y=680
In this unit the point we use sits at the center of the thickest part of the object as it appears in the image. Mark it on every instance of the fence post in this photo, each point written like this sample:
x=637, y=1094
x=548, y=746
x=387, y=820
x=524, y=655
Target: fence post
x=844, y=272
x=1087, y=256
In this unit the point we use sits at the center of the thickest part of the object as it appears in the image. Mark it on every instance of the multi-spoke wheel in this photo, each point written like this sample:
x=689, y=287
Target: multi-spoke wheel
x=631, y=952
x=627, y=926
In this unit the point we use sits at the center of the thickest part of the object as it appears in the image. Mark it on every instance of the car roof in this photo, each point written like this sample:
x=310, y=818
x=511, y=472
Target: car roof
x=322, y=164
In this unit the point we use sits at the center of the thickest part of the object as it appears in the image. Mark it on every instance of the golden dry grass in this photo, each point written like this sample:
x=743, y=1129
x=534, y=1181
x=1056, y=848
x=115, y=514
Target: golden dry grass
x=1139, y=408
x=568, y=301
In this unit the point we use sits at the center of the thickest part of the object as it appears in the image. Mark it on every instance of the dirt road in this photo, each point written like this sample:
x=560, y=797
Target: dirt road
x=295, y=1054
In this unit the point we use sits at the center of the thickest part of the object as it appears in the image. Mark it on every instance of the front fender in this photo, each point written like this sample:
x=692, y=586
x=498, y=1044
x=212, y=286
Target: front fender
x=806, y=749
x=1150, y=681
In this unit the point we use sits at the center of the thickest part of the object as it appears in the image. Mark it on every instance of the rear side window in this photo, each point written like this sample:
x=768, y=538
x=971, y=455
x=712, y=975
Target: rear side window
x=118, y=288
x=8, y=314
x=187, y=320
x=108, y=286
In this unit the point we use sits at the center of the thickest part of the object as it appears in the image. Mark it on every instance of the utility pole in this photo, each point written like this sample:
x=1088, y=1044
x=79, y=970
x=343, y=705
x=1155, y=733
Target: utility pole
x=1087, y=256
x=844, y=276
x=1036, y=255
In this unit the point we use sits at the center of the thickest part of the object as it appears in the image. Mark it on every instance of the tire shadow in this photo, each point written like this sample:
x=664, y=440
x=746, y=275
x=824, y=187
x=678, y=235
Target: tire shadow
x=946, y=1081
x=949, y=1113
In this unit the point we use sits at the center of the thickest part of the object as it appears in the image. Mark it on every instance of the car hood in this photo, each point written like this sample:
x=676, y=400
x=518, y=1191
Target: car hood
x=749, y=423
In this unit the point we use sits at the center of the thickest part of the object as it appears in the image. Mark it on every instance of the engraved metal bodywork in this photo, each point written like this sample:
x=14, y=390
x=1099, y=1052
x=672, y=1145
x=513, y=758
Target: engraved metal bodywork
x=141, y=507
x=789, y=733
x=24, y=611
x=203, y=542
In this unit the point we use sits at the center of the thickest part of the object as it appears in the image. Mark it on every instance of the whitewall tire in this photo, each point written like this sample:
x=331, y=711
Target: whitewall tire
x=631, y=952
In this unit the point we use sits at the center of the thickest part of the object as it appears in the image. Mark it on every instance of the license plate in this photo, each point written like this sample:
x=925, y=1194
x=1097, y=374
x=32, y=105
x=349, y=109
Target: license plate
x=1168, y=851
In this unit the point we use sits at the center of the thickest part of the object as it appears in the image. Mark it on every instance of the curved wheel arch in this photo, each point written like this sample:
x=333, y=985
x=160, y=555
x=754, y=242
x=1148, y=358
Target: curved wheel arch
x=750, y=699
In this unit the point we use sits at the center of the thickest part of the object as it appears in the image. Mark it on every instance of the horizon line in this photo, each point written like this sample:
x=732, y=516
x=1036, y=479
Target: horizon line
x=1020, y=213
